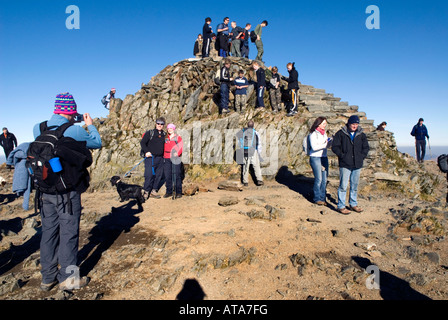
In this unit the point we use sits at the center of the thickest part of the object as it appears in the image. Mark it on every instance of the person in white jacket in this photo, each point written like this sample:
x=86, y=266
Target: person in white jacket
x=319, y=143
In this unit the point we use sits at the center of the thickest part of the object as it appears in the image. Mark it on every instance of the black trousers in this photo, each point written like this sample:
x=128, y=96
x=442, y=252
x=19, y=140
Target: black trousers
x=153, y=173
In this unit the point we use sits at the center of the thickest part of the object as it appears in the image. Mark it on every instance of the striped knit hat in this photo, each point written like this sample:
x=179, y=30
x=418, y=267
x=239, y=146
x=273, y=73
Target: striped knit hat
x=65, y=104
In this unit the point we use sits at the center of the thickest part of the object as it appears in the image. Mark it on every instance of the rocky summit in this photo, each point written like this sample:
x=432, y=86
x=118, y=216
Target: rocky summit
x=186, y=95
x=226, y=241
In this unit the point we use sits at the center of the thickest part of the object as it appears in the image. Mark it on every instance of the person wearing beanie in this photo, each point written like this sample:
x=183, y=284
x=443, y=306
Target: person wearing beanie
x=172, y=162
x=420, y=132
x=351, y=147
x=60, y=228
x=8, y=141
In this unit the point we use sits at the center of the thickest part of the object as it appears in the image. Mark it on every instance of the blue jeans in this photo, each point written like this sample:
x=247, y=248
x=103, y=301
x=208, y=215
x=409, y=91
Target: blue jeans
x=320, y=177
x=420, y=149
x=344, y=176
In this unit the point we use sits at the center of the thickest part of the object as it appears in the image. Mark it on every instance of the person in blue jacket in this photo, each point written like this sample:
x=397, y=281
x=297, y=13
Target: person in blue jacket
x=420, y=132
x=60, y=228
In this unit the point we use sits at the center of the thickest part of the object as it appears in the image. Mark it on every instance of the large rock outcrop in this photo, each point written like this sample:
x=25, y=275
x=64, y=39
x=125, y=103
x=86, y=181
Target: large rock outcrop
x=185, y=94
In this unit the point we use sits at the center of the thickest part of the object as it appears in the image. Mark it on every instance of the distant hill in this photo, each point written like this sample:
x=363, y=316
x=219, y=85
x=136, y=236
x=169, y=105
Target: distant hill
x=431, y=154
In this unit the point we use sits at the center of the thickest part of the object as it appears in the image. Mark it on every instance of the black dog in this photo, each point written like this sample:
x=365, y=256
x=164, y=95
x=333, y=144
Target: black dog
x=128, y=191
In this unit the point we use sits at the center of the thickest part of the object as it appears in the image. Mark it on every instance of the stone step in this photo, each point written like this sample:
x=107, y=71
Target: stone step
x=318, y=108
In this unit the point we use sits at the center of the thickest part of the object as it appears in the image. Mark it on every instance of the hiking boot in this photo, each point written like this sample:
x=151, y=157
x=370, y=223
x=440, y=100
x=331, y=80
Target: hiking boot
x=344, y=211
x=168, y=195
x=48, y=286
x=356, y=209
x=260, y=183
x=145, y=195
x=154, y=194
x=225, y=111
x=245, y=184
x=70, y=284
x=320, y=203
x=178, y=196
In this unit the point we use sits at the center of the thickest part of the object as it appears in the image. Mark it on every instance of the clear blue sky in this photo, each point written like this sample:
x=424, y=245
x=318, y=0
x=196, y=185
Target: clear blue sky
x=398, y=73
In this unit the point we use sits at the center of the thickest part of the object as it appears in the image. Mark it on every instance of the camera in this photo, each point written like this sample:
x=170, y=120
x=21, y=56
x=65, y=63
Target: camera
x=79, y=118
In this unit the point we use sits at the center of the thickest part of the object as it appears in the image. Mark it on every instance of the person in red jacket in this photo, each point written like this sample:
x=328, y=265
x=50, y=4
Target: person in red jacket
x=172, y=162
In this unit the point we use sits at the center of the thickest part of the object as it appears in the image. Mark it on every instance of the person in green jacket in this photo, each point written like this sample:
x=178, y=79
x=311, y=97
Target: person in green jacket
x=258, y=43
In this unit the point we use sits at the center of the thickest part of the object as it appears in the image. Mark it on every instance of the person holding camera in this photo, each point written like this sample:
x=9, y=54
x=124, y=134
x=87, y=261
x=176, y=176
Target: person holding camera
x=61, y=212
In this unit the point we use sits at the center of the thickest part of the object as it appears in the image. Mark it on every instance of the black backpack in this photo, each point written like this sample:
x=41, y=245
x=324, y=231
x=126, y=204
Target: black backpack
x=74, y=157
x=442, y=162
x=253, y=36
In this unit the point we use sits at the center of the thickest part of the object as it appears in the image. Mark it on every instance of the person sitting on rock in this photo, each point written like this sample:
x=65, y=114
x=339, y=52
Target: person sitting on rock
x=382, y=126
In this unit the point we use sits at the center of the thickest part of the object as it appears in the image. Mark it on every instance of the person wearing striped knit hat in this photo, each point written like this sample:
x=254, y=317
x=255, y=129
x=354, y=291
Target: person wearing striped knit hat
x=60, y=229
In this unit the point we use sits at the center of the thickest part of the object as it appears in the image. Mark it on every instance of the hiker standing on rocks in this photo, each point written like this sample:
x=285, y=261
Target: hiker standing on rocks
x=241, y=83
x=198, y=45
x=236, y=39
x=248, y=153
x=153, y=144
x=245, y=41
x=351, y=146
x=420, y=132
x=172, y=162
x=293, y=88
x=8, y=141
x=60, y=227
x=223, y=37
x=258, y=43
x=107, y=97
x=319, y=142
x=225, y=79
x=260, y=85
x=207, y=37
x=274, y=90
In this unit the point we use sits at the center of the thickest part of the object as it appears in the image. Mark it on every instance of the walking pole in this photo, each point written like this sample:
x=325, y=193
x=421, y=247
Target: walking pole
x=429, y=146
x=174, y=180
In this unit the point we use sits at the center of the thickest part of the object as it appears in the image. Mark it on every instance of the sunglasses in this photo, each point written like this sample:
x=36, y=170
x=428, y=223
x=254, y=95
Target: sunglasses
x=160, y=123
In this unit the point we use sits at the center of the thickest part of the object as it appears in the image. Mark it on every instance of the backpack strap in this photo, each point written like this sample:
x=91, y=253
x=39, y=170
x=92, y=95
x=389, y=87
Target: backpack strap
x=60, y=130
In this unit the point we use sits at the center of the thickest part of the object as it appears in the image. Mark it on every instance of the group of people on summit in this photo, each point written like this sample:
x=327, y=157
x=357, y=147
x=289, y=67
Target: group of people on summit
x=228, y=40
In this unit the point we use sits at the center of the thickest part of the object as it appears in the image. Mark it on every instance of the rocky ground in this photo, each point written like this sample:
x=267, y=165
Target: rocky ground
x=258, y=243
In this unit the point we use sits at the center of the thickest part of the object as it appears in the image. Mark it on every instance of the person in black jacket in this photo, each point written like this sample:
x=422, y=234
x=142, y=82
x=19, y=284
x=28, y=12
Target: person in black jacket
x=351, y=146
x=152, y=144
x=207, y=37
x=226, y=80
x=293, y=88
x=260, y=85
x=8, y=141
